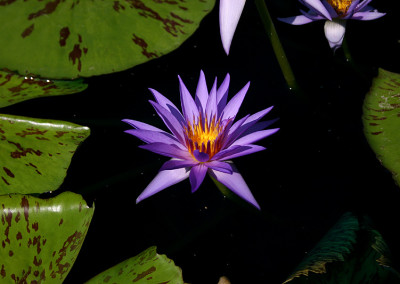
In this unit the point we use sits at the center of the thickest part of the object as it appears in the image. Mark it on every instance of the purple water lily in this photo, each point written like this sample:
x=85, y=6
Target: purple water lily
x=335, y=12
x=204, y=138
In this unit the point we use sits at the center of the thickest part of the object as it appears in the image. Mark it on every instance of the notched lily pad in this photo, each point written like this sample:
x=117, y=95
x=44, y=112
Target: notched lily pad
x=350, y=253
x=41, y=238
x=66, y=39
x=15, y=88
x=148, y=267
x=381, y=120
x=35, y=153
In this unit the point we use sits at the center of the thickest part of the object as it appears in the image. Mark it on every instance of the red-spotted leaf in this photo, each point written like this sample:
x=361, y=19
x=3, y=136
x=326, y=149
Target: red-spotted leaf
x=41, y=238
x=15, y=88
x=67, y=39
x=35, y=153
x=148, y=267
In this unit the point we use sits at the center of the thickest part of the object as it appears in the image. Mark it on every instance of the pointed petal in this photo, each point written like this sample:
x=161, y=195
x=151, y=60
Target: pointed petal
x=168, y=150
x=167, y=104
x=236, y=184
x=296, y=20
x=220, y=166
x=363, y=4
x=222, y=94
x=367, y=16
x=330, y=9
x=196, y=176
x=163, y=180
x=211, y=108
x=174, y=164
x=201, y=92
x=148, y=136
x=237, y=151
x=141, y=125
x=189, y=108
x=254, y=137
x=229, y=15
x=334, y=32
x=200, y=156
x=234, y=104
x=259, y=126
x=317, y=7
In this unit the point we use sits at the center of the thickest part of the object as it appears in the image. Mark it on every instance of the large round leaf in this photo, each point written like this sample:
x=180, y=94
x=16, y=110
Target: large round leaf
x=40, y=239
x=381, y=120
x=15, y=88
x=148, y=267
x=35, y=153
x=66, y=39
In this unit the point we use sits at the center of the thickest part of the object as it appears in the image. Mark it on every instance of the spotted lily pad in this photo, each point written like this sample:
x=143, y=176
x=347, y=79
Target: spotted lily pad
x=350, y=253
x=381, y=120
x=41, y=238
x=35, y=153
x=148, y=267
x=15, y=88
x=66, y=39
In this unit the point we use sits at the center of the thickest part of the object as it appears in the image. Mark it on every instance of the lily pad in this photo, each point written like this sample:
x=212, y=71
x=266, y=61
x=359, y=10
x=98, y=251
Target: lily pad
x=148, y=267
x=35, y=153
x=67, y=39
x=15, y=88
x=381, y=120
x=350, y=253
x=41, y=238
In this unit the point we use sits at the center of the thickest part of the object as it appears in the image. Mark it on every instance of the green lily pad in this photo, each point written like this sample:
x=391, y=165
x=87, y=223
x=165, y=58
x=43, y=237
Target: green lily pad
x=41, y=238
x=381, y=120
x=15, y=88
x=35, y=153
x=350, y=253
x=148, y=267
x=67, y=39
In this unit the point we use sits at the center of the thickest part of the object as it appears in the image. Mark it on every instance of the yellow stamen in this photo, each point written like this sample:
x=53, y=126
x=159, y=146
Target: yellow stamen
x=340, y=6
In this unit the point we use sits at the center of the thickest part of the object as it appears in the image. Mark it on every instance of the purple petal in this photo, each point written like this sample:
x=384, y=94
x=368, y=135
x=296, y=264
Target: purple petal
x=142, y=125
x=351, y=9
x=189, y=108
x=330, y=9
x=174, y=164
x=363, y=4
x=313, y=16
x=334, y=32
x=236, y=184
x=170, y=121
x=200, y=156
x=163, y=180
x=148, y=136
x=222, y=94
x=229, y=15
x=211, y=108
x=254, y=137
x=196, y=176
x=317, y=7
x=260, y=126
x=367, y=16
x=237, y=151
x=220, y=166
x=168, y=105
x=168, y=150
x=296, y=20
x=234, y=104
x=201, y=92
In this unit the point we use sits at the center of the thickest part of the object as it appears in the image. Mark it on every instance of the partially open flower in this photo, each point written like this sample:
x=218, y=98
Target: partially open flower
x=203, y=138
x=335, y=13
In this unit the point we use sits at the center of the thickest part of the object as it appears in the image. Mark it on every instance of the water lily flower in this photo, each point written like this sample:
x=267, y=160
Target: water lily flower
x=335, y=13
x=203, y=139
x=229, y=15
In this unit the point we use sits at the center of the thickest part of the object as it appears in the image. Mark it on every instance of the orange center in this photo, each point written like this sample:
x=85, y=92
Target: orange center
x=340, y=6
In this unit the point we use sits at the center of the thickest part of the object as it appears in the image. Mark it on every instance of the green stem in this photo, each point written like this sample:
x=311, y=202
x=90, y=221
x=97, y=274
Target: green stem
x=276, y=45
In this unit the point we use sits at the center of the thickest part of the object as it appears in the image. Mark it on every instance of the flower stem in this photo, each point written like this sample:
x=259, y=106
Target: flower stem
x=276, y=45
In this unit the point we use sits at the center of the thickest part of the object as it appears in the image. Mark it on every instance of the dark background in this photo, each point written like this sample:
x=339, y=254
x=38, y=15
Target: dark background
x=317, y=167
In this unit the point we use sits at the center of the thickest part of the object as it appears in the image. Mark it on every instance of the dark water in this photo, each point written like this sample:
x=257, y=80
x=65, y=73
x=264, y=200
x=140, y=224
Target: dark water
x=317, y=167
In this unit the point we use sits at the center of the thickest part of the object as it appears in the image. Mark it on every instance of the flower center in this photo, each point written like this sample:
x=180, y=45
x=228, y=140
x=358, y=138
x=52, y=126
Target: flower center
x=205, y=135
x=340, y=6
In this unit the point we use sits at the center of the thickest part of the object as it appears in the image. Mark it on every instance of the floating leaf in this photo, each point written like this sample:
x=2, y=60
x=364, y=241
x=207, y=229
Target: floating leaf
x=35, y=153
x=147, y=267
x=381, y=120
x=15, y=88
x=66, y=39
x=41, y=238
x=350, y=253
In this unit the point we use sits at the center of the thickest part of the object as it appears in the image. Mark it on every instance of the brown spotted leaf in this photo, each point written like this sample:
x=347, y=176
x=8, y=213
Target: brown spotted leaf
x=15, y=88
x=381, y=120
x=148, y=267
x=41, y=238
x=35, y=153
x=67, y=39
